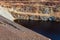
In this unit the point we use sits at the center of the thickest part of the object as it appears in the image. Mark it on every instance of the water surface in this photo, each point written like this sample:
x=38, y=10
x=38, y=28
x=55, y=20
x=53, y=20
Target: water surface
x=48, y=29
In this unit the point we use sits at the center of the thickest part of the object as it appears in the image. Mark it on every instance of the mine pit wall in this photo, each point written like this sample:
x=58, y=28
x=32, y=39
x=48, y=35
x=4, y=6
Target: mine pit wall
x=57, y=15
x=9, y=4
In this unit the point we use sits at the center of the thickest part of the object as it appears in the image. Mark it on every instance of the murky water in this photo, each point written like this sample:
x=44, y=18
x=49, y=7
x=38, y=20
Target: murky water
x=48, y=29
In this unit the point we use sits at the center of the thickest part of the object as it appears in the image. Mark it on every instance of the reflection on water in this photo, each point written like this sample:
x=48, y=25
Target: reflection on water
x=48, y=29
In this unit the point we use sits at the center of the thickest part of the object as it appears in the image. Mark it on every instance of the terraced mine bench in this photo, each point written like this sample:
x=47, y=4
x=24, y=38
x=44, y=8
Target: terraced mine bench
x=11, y=31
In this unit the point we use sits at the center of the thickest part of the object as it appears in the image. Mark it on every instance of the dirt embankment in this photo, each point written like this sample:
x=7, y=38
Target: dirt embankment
x=12, y=31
